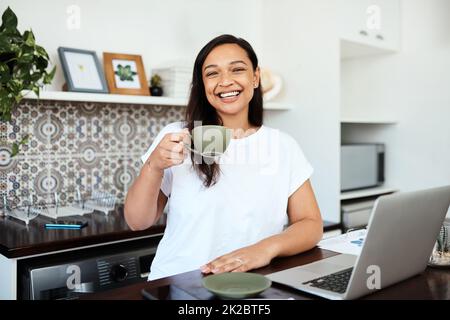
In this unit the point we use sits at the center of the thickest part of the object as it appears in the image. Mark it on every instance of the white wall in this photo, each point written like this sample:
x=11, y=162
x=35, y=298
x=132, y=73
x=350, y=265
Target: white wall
x=300, y=42
x=412, y=87
x=157, y=30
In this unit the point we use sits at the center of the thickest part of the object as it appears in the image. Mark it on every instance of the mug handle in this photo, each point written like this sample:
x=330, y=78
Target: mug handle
x=187, y=146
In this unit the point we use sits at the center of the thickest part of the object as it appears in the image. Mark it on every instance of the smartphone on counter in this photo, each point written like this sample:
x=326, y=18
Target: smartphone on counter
x=167, y=292
x=66, y=224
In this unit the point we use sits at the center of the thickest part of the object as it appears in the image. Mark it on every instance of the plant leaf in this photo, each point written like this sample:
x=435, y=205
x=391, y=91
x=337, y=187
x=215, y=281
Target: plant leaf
x=15, y=149
x=25, y=58
x=41, y=64
x=15, y=146
x=6, y=104
x=6, y=115
x=24, y=139
x=18, y=98
x=4, y=43
x=4, y=73
x=49, y=77
x=9, y=21
x=15, y=86
x=40, y=52
x=35, y=89
x=28, y=36
x=23, y=66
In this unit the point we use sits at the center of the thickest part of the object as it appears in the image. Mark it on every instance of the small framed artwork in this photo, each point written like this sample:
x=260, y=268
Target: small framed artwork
x=82, y=70
x=125, y=74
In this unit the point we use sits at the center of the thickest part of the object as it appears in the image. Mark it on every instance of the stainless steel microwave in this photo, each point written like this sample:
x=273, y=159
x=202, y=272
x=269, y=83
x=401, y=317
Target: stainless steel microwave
x=362, y=165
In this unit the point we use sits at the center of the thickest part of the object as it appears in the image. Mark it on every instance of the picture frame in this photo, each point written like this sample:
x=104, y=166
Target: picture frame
x=82, y=70
x=125, y=74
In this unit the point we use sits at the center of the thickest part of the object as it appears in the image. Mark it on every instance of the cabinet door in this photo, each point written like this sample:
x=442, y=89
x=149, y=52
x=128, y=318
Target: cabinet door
x=352, y=20
x=387, y=35
x=375, y=23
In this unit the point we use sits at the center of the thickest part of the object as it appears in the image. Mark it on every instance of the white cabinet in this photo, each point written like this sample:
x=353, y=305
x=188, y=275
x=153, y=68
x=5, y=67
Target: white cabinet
x=369, y=27
x=388, y=36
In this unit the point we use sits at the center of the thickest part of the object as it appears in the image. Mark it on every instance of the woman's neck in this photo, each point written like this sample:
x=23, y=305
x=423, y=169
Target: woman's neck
x=237, y=121
x=240, y=125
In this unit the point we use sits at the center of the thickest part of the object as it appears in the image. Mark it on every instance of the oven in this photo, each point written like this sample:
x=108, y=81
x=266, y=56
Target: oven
x=69, y=275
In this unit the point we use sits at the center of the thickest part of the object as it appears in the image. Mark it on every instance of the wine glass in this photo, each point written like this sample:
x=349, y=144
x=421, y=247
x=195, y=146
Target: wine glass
x=26, y=212
x=101, y=201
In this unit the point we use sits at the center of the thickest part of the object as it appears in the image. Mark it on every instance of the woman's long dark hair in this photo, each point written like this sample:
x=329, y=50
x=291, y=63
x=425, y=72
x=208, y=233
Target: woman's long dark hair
x=199, y=109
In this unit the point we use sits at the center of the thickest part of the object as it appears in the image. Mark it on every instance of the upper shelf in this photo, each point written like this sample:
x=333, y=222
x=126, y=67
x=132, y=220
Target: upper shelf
x=347, y=195
x=368, y=121
x=130, y=99
x=351, y=50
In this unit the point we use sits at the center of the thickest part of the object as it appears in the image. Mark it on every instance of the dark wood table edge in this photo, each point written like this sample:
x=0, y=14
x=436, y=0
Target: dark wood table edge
x=79, y=243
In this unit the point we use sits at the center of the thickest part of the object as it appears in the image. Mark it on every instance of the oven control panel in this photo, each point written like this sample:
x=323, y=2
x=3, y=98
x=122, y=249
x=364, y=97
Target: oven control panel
x=70, y=279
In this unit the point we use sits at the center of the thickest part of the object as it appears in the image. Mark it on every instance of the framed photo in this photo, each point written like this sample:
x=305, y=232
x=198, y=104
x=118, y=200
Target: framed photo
x=125, y=74
x=82, y=70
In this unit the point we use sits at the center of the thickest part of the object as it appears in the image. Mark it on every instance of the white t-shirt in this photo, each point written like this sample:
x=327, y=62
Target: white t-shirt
x=258, y=173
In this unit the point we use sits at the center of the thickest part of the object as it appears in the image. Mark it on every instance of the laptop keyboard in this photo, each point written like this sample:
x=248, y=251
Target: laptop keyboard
x=336, y=282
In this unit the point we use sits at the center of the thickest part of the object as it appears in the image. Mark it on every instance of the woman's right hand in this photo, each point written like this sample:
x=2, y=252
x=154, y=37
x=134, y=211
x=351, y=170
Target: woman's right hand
x=170, y=151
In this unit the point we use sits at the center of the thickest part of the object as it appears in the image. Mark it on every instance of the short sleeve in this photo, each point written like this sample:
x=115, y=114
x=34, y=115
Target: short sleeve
x=300, y=168
x=166, y=184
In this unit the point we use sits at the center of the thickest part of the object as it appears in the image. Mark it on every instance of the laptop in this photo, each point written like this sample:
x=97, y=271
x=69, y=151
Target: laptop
x=401, y=233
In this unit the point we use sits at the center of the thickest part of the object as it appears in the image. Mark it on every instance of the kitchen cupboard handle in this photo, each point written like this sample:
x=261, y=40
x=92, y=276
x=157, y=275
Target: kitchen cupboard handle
x=363, y=32
x=380, y=37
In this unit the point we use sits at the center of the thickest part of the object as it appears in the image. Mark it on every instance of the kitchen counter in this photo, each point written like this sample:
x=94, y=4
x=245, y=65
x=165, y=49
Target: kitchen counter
x=17, y=240
x=431, y=284
x=20, y=244
x=104, y=234
x=191, y=281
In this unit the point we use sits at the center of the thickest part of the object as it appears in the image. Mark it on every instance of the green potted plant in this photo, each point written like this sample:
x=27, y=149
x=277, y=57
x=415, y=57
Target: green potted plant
x=23, y=66
x=155, y=85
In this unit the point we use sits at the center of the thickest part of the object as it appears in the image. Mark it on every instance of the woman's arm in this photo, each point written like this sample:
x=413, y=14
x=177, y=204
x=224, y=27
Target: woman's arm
x=306, y=226
x=304, y=232
x=145, y=202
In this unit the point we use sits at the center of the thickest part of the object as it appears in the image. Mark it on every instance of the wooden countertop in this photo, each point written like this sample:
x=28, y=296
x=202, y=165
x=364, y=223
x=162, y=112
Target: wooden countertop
x=432, y=284
x=18, y=240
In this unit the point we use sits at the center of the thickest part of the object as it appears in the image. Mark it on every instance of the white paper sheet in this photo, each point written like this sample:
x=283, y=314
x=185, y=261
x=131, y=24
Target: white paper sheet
x=350, y=242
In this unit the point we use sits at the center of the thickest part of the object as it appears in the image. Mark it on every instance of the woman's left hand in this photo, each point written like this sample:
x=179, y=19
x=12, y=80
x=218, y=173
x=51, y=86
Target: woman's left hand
x=241, y=260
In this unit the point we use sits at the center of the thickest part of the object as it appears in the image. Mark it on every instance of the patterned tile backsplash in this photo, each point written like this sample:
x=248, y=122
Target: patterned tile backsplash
x=95, y=146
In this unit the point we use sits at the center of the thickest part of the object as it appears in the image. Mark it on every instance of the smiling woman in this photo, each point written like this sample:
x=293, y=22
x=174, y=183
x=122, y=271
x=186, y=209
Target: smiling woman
x=231, y=81
x=237, y=213
x=225, y=89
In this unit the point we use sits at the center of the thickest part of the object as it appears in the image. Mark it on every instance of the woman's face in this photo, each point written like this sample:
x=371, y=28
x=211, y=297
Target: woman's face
x=229, y=79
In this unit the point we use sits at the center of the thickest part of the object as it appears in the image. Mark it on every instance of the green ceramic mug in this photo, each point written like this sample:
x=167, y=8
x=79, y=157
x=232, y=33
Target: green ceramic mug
x=210, y=140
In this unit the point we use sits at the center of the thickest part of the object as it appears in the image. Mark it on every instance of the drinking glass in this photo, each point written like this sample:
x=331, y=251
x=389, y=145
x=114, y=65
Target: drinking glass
x=101, y=201
x=26, y=212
